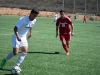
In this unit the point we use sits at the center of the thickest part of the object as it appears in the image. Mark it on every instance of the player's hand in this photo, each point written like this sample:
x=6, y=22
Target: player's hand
x=29, y=36
x=18, y=38
x=72, y=34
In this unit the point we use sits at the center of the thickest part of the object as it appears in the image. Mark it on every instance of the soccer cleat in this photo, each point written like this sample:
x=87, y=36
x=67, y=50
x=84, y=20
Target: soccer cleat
x=67, y=53
x=2, y=63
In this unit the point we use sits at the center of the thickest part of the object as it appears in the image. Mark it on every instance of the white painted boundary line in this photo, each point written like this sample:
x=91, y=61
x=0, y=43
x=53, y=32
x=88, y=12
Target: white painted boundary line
x=5, y=29
x=5, y=34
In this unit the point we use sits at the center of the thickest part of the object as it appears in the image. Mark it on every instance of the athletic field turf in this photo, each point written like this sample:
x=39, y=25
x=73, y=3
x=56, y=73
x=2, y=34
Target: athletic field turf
x=46, y=55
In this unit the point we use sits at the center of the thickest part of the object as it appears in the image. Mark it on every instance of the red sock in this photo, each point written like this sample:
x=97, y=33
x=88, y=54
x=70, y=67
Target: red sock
x=65, y=47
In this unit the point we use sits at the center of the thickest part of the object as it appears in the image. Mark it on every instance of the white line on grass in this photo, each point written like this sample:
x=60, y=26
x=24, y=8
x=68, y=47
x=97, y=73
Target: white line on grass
x=5, y=29
x=5, y=34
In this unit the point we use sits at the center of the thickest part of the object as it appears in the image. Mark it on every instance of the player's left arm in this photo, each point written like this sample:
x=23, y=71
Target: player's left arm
x=71, y=26
x=72, y=29
x=57, y=27
x=56, y=31
x=30, y=33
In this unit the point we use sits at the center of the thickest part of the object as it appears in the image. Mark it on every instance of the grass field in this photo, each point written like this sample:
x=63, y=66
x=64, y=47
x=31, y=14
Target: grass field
x=84, y=58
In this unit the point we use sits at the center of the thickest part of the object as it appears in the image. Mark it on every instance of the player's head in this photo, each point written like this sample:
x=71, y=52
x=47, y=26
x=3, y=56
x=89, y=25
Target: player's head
x=33, y=14
x=62, y=13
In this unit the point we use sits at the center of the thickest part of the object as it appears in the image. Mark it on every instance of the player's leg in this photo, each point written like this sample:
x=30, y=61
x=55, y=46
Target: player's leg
x=15, y=44
x=68, y=39
x=85, y=20
x=9, y=56
x=62, y=38
x=68, y=43
x=22, y=55
x=24, y=49
x=53, y=21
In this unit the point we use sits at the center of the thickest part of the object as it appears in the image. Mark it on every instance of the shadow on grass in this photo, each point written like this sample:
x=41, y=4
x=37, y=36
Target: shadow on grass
x=42, y=52
x=8, y=74
x=5, y=69
x=98, y=26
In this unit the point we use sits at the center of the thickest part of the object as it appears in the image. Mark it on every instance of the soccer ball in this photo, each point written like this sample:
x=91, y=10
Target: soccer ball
x=15, y=70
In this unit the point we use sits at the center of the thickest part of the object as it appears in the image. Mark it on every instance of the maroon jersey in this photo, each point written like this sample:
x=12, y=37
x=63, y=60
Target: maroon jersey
x=64, y=25
x=84, y=17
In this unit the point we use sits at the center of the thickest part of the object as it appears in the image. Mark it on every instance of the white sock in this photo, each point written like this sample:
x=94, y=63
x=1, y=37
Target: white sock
x=9, y=56
x=21, y=58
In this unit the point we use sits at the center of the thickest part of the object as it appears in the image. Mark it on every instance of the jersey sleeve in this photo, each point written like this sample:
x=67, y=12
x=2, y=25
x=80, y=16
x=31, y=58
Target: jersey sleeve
x=20, y=22
x=57, y=22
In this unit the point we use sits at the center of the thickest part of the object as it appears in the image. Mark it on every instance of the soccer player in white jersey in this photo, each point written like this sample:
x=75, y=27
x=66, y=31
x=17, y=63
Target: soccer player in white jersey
x=19, y=38
x=55, y=17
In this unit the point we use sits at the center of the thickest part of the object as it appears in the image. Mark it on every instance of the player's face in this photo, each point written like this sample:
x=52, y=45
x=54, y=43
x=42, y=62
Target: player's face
x=33, y=16
x=62, y=14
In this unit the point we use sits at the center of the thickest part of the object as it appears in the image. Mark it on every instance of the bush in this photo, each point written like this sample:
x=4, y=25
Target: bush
x=98, y=14
x=91, y=18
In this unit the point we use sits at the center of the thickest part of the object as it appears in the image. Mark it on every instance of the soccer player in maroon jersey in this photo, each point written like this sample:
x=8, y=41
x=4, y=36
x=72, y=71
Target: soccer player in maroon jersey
x=65, y=27
x=84, y=19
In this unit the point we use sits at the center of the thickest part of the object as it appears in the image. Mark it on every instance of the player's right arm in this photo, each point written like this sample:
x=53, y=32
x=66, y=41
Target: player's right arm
x=57, y=27
x=16, y=33
x=18, y=25
x=56, y=31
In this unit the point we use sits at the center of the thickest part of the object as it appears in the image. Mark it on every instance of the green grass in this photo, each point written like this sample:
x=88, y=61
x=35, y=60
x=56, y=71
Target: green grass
x=84, y=58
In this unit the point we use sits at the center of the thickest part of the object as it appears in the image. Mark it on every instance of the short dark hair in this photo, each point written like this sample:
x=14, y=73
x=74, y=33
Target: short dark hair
x=62, y=11
x=35, y=10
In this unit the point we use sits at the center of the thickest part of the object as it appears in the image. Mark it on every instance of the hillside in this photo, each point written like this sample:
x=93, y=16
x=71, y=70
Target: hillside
x=54, y=5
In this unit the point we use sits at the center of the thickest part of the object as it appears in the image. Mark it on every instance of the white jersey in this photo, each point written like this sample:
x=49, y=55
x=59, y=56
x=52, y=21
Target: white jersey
x=55, y=17
x=24, y=24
